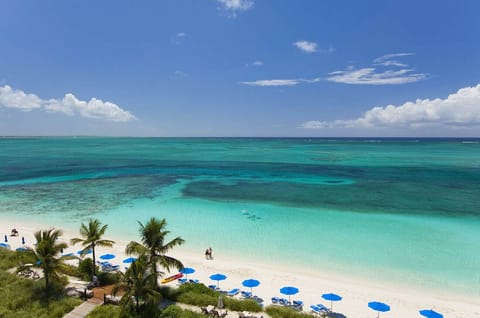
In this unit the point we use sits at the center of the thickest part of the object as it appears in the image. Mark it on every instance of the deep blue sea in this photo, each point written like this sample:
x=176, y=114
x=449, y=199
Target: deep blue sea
x=399, y=210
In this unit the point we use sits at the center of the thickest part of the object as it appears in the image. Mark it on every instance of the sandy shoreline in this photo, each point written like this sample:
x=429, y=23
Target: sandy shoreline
x=355, y=292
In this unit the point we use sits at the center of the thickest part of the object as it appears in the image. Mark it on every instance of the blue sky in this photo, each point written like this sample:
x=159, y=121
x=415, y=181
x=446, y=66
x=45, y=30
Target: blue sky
x=240, y=68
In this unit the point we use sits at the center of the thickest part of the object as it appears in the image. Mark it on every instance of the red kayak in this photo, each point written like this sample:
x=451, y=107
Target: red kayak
x=171, y=278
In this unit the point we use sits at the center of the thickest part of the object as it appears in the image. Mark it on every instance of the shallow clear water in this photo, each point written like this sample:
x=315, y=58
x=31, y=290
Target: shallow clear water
x=407, y=211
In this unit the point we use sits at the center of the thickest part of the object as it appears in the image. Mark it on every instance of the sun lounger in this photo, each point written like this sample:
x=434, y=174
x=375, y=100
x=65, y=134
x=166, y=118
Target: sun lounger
x=193, y=281
x=316, y=309
x=110, y=299
x=284, y=302
x=297, y=304
x=108, y=267
x=233, y=292
x=83, y=292
x=323, y=308
x=275, y=300
x=246, y=294
x=214, y=287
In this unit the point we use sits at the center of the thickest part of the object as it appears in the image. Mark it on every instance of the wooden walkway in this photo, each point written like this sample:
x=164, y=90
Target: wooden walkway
x=83, y=310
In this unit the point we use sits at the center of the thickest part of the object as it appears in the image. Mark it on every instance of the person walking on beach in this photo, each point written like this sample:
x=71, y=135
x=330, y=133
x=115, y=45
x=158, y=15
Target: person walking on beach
x=210, y=253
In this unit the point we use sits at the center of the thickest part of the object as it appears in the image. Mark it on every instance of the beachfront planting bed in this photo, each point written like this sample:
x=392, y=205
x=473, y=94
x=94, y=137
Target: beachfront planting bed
x=201, y=295
x=285, y=312
x=112, y=311
x=25, y=298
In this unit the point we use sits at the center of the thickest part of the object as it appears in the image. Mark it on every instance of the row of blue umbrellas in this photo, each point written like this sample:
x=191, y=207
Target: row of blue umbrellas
x=291, y=290
x=251, y=283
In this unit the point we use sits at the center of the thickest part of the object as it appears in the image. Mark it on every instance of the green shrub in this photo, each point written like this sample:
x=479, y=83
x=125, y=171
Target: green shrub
x=285, y=312
x=8, y=259
x=105, y=278
x=241, y=305
x=70, y=270
x=85, y=268
x=201, y=295
x=106, y=311
x=25, y=298
x=177, y=312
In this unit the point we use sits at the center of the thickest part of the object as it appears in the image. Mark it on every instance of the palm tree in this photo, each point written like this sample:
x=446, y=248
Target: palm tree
x=92, y=237
x=46, y=254
x=138, y=283
x=154, y=246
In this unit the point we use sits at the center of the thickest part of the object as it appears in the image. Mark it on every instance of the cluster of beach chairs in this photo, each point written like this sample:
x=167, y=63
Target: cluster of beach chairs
x=108, y=267
x=295, y=304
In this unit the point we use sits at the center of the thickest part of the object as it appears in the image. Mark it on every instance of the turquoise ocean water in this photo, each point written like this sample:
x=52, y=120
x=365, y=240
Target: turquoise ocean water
x=399, y=210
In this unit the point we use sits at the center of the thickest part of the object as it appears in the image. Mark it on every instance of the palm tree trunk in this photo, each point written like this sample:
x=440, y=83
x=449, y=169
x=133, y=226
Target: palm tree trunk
x=93, y=259
x=138, y=308
x=46, y=283
x=155, y=275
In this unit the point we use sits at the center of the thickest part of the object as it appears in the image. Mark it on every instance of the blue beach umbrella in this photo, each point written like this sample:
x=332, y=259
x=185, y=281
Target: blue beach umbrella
x=251, y=283
x=218, y=278
x=86, y=252
x=379, y=307
x=332, y=297
x=107, y=256
x=187, y=270
x=289, y=290
x=4, y=245
x=68, y=254
x=21, y=249
x=129, y=260
x=429, y=313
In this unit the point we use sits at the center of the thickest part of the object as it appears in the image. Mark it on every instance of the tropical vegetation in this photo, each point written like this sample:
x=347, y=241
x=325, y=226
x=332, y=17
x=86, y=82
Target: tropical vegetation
x=138, y=285
x=155, y=247
x=92, y=234
x=25, y=298
x=47, y=255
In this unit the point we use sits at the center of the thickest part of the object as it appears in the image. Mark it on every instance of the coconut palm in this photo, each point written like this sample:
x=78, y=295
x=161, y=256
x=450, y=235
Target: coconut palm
x=92, y=237
x=47, y=254
x=139, y=284
x=154, y=246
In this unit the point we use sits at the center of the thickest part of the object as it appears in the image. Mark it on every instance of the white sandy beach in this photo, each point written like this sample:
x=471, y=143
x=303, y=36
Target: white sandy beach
x=355, y=292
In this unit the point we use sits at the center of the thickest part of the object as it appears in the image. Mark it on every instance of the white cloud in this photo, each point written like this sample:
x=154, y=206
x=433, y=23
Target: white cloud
x=460, y=109
x=388, y=60
x=231, y=7
x=69, y=105
x=369, y=76
x=281, y=82
x=385, y=76
x=305, y=46
x=95, y=108
x=258, y=63
x=388, y=57
x=181, y=34
x=14, y=98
